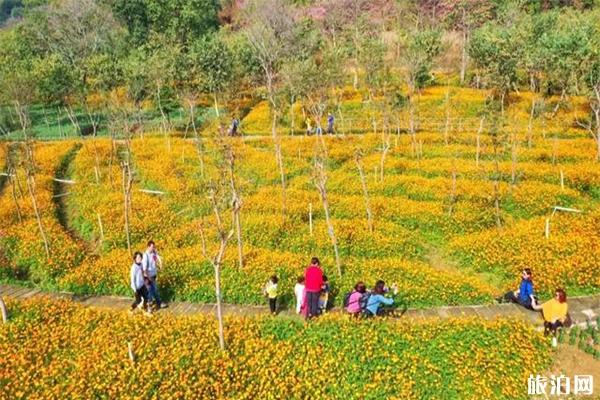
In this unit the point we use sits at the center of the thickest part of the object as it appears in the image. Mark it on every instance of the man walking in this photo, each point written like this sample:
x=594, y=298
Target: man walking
x=151, y=263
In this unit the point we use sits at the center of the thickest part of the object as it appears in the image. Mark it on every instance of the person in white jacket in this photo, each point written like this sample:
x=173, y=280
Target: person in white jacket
x=299, y=292
x=137, y=282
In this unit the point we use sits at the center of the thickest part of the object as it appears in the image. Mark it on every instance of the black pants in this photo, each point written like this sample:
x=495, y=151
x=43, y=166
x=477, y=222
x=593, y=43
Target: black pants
x=312, y=303
x=510, y=297
x=552, y=327
x=140, y=294
x=273, y=305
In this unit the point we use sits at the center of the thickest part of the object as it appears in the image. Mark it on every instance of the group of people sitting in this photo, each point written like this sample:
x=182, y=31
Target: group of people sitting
x=312, y=293
x=554, y=311
x=143, y=274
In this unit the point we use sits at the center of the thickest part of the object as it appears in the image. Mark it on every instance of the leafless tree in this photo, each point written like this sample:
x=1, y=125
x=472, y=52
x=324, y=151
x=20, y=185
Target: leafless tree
x=320, y=181
x=361, y=173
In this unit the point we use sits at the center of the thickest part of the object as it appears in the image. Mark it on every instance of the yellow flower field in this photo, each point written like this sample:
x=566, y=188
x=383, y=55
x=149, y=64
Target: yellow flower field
x=332, y=358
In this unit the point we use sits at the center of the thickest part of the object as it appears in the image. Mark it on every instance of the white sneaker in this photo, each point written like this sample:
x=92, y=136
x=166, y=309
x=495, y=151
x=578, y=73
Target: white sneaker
x=554, y=342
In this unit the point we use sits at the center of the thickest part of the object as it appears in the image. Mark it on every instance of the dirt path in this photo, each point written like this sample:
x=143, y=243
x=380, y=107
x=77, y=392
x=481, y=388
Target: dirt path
x=570, y=361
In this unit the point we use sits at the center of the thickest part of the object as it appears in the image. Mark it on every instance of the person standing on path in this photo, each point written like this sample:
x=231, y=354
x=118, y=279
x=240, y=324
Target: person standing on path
x=151, y=263
x=313, y=281
x=330, y=121
x=136, y=281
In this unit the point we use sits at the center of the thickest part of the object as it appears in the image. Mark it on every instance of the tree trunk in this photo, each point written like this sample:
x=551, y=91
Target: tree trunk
x=216, y=262
x=237, y=205
x=464, y=54
x=530, y=124
x=363, y=182
x=31, y=189
x=478, y=138
x=513, y=169
x=279, y=159
x=3, y=311
x=14, y=194
x=127, y=181
x=321, y=186
x=452, y=189
x=384, y=151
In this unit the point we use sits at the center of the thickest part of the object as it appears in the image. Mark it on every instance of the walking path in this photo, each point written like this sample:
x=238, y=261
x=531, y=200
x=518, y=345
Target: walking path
x=582, y=309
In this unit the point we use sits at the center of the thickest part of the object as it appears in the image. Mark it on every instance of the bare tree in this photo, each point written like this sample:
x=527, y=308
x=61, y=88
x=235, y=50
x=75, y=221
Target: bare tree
x=269, y=35
x=127, y=184
x=320, y=180
x=361, y=173
x=236, y=203
x=217, y=260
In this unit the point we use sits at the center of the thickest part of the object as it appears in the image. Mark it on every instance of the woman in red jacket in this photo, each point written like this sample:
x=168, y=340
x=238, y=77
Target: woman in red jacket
x=313, y=280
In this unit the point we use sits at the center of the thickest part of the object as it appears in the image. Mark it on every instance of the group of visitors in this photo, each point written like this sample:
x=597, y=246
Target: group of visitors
x=318, y=130
x=144, y=272
x=554, y=311
x=312, y=292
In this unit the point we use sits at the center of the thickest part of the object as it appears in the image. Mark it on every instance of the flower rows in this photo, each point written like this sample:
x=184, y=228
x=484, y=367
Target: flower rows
x=332, y=358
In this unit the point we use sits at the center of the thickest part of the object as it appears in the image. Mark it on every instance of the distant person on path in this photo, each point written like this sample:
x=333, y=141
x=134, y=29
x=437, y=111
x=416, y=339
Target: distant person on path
x=308, y=126
x=330, y=121
x=136, y=281
x=299, y=292
x=233, y=129
x=377, y=298
x=313, y=281
x=151, y=263
x=324, y=296
x=354, y=299
x=525, y=296
x=271, y=292
x=555, y=313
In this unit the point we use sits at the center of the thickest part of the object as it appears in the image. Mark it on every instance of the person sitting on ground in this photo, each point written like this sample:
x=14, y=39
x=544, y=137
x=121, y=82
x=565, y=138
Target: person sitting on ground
x=271, y=292
x=554, y=312
x=313, y=280
x=377, y=298
x=525, y=296
x=353, y=303
x=137, y=283
x=324, y=297
x=299, y=292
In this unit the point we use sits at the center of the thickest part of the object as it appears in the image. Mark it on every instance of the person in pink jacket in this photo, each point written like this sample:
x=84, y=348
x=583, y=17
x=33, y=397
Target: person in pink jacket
x=354, y=306
x=313, y=281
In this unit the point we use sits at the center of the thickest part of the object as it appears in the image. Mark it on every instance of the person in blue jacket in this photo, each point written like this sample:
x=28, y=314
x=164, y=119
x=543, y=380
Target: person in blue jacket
x=525, y=296
x=377, y=298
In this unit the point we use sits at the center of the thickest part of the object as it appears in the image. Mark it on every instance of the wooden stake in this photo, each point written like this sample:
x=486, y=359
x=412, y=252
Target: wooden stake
x=562, y=180
x=547, y=229
x=130, y=352
x=3, y=311
x=101, y=228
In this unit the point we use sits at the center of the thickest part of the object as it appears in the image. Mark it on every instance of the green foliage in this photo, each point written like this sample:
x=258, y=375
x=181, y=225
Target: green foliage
x=182, y=21
x=496, y=51
x=213, y=61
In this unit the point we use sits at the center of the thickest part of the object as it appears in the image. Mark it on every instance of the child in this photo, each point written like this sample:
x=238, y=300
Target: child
x=299, y=292
x=271, y=292
x=324, y=297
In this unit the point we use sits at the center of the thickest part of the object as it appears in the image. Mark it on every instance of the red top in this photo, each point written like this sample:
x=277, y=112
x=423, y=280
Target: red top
x=313, y=278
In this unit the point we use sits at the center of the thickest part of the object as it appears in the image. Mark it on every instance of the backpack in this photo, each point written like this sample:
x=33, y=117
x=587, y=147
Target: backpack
x=347, y=299
x=363, y=301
